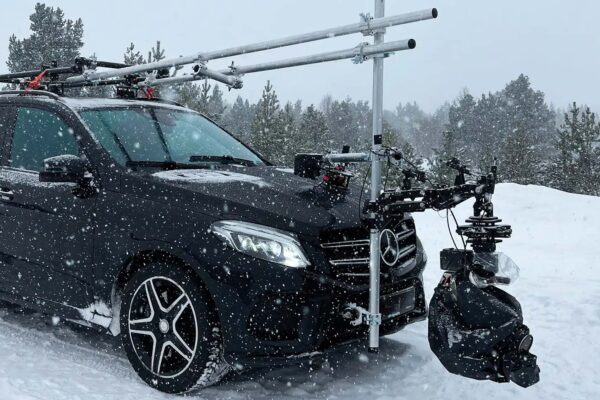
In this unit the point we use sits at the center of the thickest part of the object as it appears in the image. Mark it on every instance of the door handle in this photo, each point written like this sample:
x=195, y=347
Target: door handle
x=6, y=194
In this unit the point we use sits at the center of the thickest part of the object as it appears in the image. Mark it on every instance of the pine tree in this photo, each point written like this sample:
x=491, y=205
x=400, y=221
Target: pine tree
x=526, y=133
x=491, y=125
x=216, y=105
x=132, y=56
x=204, y=98
x=289, y=134
x=392, y=138
x=313, y=135
x=340, y=122
x=409, y=154
x=422, y=130
x=576, y=167
x=514, y=125
x=441, y=173
x=53, y=38
x=239, y=117
x=408, y=119
x=188, y=95
x=462, y=125
x=266, y=129
x=520, y=162
x=362, y=116
x=298, y=112
x=156, y=53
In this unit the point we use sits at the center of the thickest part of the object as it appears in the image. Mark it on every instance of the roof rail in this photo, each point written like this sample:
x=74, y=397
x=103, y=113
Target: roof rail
x=57, y=97
x=31, y=93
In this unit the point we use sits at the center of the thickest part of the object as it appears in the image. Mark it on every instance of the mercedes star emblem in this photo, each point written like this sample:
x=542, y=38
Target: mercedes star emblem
x=388, y=244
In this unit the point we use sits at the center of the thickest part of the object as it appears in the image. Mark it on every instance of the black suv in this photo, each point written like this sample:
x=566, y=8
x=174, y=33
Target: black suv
x=150, y=220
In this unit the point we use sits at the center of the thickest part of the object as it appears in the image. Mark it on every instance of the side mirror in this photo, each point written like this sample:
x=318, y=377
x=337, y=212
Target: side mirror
x=65, y=169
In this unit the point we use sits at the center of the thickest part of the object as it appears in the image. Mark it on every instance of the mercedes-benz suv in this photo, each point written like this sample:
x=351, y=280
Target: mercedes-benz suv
x=150, y=220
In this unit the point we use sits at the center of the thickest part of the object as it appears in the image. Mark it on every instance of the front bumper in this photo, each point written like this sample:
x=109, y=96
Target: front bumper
x=282, y=316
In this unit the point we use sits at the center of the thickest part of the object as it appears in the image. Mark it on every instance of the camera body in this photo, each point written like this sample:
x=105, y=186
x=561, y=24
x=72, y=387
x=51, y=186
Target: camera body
x=455, y=260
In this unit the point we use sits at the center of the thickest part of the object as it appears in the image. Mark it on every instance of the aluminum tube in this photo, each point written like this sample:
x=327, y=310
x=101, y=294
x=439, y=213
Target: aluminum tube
x=267, y=45
x=325, y=57
x=90, y=76
x=231, y=81
x=376, y=23
x=374, y=259
x=348, y=157
x=374, y=282
x=222, y=75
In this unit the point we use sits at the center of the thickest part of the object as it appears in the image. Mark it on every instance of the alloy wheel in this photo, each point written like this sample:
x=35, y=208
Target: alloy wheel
x=163, y=327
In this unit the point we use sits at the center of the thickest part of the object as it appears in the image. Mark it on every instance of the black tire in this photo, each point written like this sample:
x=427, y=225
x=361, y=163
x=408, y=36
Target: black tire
x=174, y=345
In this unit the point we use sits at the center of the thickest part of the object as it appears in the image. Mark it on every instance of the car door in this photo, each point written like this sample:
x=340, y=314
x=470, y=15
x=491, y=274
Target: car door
x=47, y=230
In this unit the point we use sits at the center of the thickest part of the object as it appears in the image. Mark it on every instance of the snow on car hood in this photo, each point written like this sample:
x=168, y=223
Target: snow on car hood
x=210, y=176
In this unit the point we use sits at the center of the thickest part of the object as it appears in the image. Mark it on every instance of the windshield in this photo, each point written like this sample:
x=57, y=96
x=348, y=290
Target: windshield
x=139, y=134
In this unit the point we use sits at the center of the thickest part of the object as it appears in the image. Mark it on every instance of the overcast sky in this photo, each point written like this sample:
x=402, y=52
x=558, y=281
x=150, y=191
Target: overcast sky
x=474, y=44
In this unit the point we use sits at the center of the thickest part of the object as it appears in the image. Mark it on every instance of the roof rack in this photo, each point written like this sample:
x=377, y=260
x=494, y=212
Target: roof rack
x=48, y=77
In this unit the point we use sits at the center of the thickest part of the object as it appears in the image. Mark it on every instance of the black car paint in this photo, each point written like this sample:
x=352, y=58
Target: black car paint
x=135, y=215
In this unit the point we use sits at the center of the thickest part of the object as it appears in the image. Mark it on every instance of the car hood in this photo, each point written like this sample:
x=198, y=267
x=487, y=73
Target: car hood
x=266, y=195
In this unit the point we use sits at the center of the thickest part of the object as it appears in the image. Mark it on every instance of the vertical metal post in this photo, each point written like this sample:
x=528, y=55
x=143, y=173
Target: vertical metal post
x=374, y=267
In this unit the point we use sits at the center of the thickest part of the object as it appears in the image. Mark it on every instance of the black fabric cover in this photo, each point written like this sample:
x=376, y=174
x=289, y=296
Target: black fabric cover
x=477, y=333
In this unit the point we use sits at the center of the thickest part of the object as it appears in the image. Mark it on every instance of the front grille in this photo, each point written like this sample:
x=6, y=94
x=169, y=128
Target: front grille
x=347, y=252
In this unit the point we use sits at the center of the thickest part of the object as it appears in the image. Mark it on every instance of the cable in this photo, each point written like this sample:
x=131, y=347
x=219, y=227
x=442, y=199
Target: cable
x=449, y=230
x=461, y=236
x=387, y=173
x=362, y=190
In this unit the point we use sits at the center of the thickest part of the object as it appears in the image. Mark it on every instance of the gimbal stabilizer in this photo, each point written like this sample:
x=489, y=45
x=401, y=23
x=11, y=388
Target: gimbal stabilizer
x=475, y=329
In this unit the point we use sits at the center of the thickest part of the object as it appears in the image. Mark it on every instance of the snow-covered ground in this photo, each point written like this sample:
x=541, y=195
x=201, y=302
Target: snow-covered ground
x=556, y=242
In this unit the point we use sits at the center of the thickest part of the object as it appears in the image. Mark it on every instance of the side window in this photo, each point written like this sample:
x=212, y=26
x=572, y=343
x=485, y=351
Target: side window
x=39, y=134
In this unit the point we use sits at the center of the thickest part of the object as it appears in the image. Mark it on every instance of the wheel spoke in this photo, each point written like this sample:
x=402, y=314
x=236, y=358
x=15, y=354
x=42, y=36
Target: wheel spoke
x=153, y=298
x=177, y=311
x=178, y=343
x=154, y=344
x=157, y=357
x=181, y=347
x=142, y=325
x=176, y=303
x=143, y=332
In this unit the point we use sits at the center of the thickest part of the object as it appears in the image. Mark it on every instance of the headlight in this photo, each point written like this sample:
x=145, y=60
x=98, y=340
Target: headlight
x=262, y=242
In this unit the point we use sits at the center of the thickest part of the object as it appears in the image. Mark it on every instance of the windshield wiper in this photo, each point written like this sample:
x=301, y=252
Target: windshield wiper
x=223, y=160
x=167, y=165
